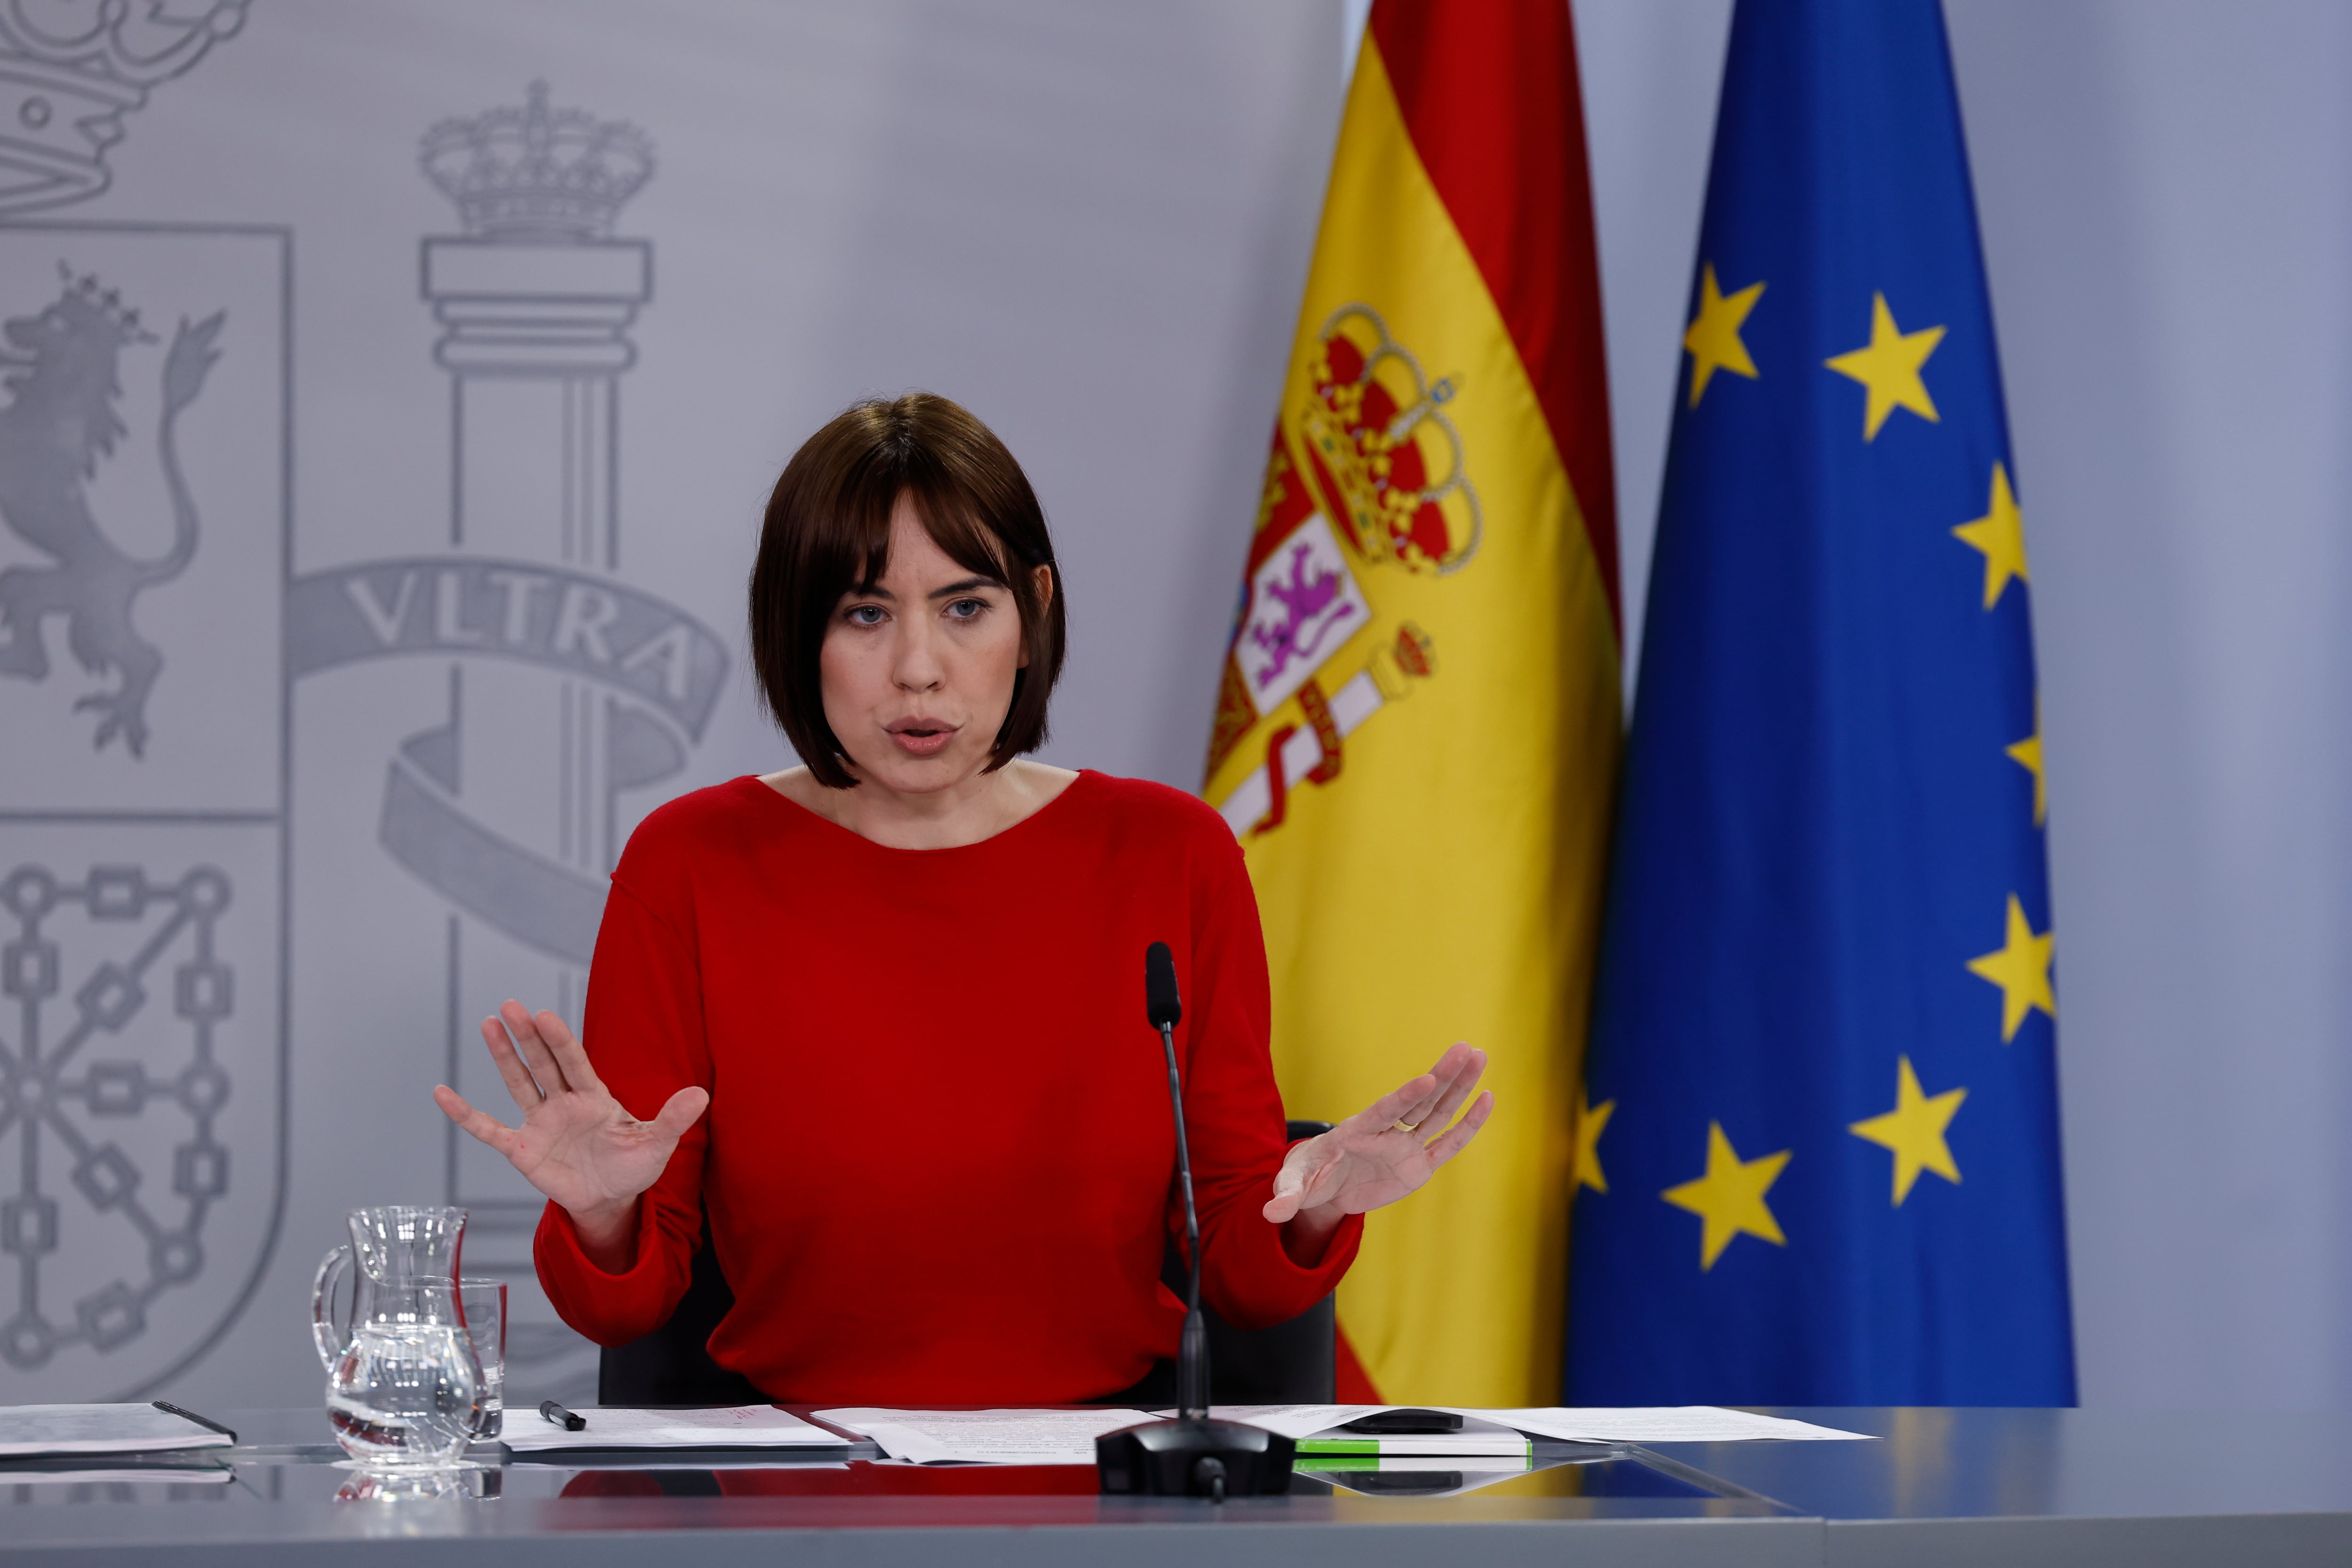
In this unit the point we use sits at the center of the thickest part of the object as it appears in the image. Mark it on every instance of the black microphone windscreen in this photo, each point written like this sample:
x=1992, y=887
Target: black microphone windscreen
x=1159, y=998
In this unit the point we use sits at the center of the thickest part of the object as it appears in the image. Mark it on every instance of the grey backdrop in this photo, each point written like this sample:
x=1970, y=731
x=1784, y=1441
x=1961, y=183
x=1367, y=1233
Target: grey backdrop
x=1090, y=223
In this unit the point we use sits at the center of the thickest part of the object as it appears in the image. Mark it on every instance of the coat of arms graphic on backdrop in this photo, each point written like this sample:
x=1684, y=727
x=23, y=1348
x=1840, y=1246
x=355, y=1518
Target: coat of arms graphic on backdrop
x=144, y=407
x=1367, y=477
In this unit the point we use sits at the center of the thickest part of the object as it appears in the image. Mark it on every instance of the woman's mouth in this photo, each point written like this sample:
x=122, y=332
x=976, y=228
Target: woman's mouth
x=921, y=737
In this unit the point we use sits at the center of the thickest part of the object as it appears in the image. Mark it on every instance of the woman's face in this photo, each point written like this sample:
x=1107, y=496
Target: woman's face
x=917, y=670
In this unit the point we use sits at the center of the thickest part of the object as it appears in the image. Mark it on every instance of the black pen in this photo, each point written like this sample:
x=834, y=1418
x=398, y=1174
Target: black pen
x=168, y=1408
x=557, y=1413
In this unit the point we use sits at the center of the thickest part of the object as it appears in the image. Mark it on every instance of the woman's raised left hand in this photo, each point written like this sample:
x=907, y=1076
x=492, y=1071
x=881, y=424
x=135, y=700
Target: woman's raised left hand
x=1387, y=1150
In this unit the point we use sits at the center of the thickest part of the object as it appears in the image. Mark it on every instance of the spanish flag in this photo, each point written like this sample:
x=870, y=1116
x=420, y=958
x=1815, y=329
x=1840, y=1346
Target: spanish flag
x=1418, y=726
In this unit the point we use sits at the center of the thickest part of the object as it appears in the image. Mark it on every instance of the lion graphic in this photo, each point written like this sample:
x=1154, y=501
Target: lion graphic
x=59, y=369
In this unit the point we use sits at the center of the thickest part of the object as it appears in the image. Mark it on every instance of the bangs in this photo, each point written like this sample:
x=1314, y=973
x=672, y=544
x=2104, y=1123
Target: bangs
x=947, y=515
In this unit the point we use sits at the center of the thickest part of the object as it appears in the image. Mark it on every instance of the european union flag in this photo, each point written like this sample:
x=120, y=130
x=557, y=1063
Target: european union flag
x=1817, y=1159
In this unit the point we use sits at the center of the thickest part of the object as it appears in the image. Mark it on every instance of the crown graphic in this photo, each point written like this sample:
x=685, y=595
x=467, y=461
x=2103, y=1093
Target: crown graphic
x=69, y=71
x=87, y=300
x=537, y=172
x=1376, y=428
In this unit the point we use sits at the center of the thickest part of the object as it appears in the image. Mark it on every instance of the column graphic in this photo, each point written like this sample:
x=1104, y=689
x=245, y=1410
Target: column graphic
x=535, y=299
x=566, y=688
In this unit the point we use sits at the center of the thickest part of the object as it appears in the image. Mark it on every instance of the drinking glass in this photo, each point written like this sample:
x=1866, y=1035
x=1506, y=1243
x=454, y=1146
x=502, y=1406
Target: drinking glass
x=482, y=1306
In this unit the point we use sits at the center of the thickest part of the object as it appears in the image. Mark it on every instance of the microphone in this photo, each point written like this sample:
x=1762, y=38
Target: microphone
x=1192, y=1456
x=1164, y=1007
x=1161, y=1002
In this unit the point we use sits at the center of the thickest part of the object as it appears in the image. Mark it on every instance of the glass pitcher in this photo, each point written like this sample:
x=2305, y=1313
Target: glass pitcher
x=401, y=1377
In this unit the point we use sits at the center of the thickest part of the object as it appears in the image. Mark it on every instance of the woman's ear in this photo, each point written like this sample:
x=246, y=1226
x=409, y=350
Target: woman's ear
x=1043, y=577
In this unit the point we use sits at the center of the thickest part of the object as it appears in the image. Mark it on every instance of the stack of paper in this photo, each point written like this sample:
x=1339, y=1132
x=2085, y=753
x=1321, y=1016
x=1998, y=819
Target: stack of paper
x=614, y=1426
x=37, y=1431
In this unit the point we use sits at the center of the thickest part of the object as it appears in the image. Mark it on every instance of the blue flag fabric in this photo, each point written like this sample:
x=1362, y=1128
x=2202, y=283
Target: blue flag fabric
x=1817, y=1159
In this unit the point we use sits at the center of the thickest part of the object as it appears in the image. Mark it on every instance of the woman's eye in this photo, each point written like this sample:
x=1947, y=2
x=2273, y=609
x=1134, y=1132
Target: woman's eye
x=967, y=609
x=865, y=615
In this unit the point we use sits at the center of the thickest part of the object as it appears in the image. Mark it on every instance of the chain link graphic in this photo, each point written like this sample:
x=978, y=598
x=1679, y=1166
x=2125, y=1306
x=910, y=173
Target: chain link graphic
x=55, y=1093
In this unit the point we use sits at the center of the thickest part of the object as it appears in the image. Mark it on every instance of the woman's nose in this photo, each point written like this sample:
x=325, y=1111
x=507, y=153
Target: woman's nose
x=916, y=666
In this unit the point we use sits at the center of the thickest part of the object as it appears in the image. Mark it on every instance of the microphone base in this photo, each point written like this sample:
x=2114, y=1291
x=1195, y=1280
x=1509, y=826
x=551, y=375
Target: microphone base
x=1215, y=1460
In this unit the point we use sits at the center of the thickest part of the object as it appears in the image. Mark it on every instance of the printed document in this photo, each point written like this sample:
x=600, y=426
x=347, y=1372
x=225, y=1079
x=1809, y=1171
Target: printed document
x=28, y=1430
x=1663, y=1424
x=616, y=1426
x=1670, y=1423
x=986, y=1436
x=1067, y=1437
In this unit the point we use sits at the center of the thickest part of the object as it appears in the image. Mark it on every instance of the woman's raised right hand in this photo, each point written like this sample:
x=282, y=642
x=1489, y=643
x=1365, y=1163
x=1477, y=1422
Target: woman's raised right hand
x=576, y=1143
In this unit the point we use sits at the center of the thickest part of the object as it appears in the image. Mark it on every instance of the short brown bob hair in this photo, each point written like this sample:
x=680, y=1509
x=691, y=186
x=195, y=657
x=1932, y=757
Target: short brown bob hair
x=828, y=533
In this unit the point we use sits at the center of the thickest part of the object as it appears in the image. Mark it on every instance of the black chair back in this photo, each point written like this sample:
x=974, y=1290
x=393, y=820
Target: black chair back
x=672, y=1365
x=1293, y=1362
x=1289, y=1364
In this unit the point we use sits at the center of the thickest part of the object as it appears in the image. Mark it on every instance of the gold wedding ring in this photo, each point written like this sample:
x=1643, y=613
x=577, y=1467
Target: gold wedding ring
x=1401, y=1125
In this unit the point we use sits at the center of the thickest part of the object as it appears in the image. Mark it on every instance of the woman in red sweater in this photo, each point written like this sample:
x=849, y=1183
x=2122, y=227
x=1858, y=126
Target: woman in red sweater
x=887, y=1008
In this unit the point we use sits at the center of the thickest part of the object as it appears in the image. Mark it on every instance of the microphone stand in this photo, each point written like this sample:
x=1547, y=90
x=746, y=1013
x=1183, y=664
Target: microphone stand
x=1192, y=1455
x=1193, y=1349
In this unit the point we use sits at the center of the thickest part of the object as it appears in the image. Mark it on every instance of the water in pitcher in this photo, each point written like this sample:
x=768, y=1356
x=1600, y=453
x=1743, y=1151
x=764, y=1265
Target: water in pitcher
x=402, y=1394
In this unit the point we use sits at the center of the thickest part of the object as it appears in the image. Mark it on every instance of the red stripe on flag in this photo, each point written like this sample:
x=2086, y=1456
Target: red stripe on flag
x=1489, y=90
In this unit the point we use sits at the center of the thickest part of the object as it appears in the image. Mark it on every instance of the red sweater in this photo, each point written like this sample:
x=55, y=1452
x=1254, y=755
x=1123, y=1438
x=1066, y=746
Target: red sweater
x=939, y=1157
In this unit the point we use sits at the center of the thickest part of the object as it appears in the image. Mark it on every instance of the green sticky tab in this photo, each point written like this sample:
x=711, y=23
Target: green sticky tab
x=1338, y=1446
